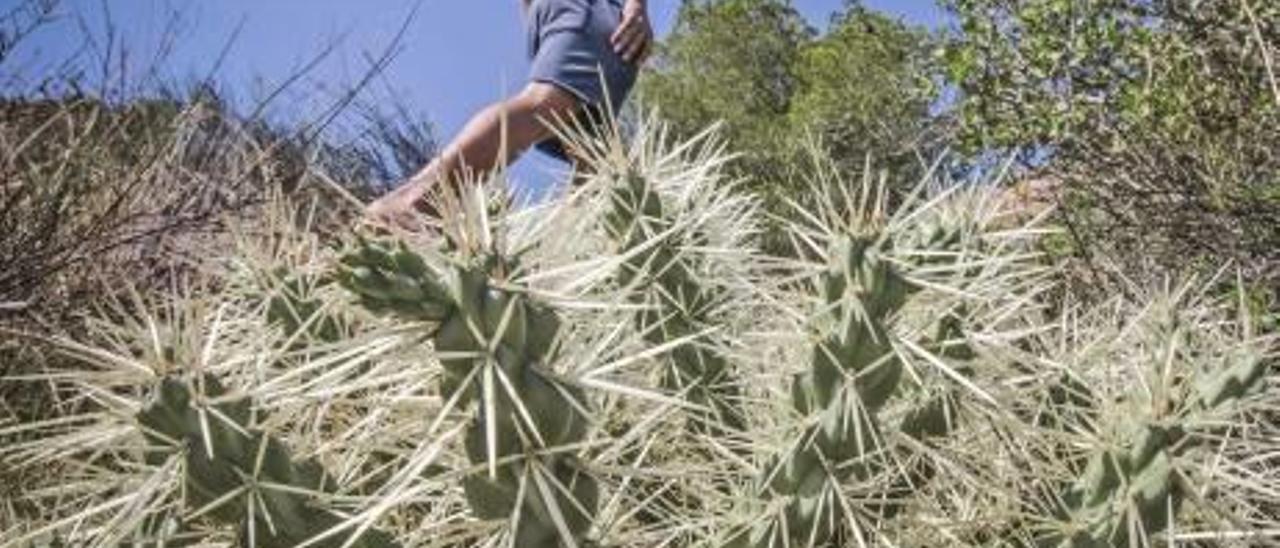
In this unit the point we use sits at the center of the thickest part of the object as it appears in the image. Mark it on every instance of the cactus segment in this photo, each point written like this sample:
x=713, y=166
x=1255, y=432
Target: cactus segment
x=1123, y=487
x=853, y=373
x=294, y=306
x=483, y=329
x=665, y=279
x=396, y=281
x=223, y=452
x=1233, y=382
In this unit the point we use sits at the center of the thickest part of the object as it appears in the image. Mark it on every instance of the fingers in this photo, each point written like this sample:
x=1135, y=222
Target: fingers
x=616, y=37
x=632, y=39
x=622, y=36
x=635, y=47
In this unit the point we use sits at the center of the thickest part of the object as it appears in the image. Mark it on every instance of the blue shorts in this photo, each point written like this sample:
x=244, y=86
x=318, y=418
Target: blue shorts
x=569, y=47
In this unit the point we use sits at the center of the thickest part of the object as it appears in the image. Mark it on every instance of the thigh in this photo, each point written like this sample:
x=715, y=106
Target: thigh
x=549, y=100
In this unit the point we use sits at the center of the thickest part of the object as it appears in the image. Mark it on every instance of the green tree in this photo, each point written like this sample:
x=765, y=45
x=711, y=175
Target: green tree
x=1155, y=119
x=863, y=90
x=732, y=61
x=756, y=66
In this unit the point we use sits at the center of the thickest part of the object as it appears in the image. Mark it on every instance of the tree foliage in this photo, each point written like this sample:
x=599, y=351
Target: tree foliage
x=732, y=61
x=774, y=81
x=863, y=90
x=1157, y=118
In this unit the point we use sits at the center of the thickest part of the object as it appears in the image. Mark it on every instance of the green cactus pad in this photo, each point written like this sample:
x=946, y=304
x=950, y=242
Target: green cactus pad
x=221, y=450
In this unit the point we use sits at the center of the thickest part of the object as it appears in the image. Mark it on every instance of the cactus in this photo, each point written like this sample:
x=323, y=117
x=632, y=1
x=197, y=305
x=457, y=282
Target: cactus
x=1101, y=438
x=294, y=307
x=1137, y=484
x=935, y=417
x=853, y=373
x=170, y=457
x=680, y=307
x=1132, y=430
x=493, y=343
x=237, y=474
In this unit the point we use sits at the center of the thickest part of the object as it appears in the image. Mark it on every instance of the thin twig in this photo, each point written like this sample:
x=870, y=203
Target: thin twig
x=1262, y=46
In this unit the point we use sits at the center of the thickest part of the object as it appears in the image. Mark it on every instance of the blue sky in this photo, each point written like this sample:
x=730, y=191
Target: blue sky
x=457, y=55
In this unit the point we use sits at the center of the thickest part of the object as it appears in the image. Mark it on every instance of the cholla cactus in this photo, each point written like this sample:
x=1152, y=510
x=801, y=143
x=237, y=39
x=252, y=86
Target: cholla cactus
x=863, y=360
x=927, y=401
x=226, y=461
x=495, y=319
x=678, y=306
x=492, y=340
x=299, y=311
x=281, y=261
x=686, y=237
x=1153, y=444
x=936, y=415
x=680, y=242
x=160, y=450
x=854, y=371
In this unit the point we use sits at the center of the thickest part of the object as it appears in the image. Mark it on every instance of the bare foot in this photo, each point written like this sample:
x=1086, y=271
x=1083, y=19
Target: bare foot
x=398, y=210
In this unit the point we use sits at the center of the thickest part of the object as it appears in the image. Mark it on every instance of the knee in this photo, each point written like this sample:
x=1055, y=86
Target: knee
x=547, y=100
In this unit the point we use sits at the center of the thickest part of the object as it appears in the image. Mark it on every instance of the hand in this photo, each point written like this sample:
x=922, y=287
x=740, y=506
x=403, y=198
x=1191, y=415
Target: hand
x=634, y=38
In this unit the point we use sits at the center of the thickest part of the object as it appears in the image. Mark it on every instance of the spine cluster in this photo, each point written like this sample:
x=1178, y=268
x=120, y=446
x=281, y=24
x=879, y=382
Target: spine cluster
x=678, y=306
x=1135, y=487
x=853, y=372
x=237, y=474
x=493, y=344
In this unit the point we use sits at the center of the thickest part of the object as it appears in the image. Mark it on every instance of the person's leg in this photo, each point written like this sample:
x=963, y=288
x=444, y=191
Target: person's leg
x=480, y=148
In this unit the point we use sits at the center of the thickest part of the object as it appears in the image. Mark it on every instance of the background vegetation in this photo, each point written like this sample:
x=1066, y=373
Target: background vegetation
x=1149, y=125
x=861, y=90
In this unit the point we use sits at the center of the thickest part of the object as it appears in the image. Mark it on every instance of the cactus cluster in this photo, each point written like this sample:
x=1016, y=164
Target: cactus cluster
x=853, y=373
x=179, y=438
x=239, y=475
x=493, y=343
x=677, y=305
x=1131, y=490
x=935, y=400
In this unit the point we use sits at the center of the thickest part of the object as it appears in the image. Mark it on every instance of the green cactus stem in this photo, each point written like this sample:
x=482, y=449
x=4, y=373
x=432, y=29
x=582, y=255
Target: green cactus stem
x=494, y=344
x=853, y=373
x=665, y=280
x=293, y=306
x=1137, y=484
x=231, y=469
x=936, y=417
